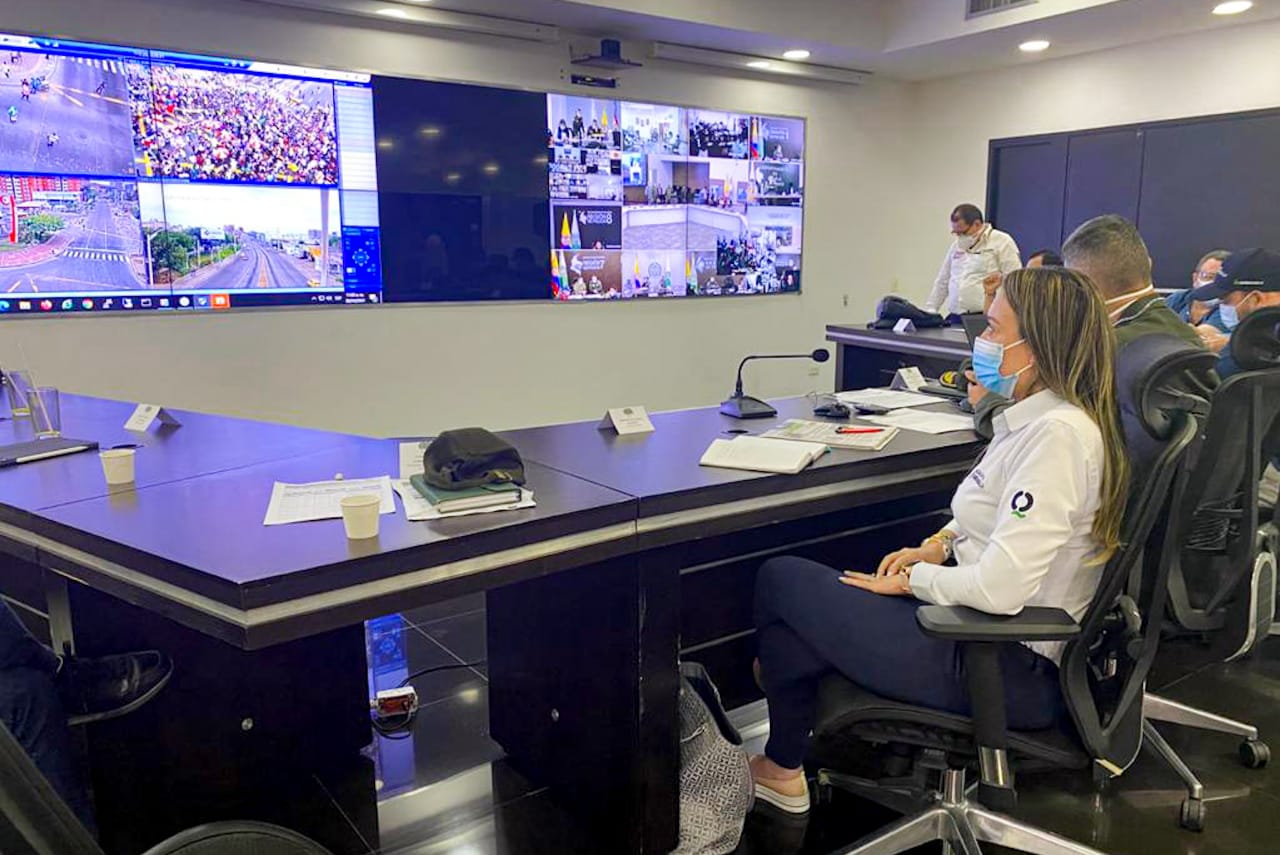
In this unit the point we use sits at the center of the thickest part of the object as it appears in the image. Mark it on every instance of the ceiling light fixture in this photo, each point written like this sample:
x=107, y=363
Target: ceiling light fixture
x=761, y=64
x=797, y=55
x=1034, y=46
x=393, y=13
x=1233, y=7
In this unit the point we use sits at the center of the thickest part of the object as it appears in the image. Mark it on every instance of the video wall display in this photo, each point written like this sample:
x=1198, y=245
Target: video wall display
x=136, y=179
x=651, y=200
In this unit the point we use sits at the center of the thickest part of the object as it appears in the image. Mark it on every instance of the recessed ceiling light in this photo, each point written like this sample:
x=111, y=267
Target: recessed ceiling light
x=759, y=63
x=430, y=131
x=1034, y=46
x=393, y=13
x=491, y=169
x=797, y=55
x=1233, y=7
x=386, y=143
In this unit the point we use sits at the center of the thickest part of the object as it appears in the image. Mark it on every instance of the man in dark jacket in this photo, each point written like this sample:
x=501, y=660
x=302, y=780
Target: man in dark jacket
x=1111, y=252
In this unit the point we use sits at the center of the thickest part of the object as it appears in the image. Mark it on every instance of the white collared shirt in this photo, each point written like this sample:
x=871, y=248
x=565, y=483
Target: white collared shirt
x=958, y=288
x=1023, y=518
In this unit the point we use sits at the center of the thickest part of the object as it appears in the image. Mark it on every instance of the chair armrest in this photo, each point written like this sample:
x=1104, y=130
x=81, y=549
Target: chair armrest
x=960, y=623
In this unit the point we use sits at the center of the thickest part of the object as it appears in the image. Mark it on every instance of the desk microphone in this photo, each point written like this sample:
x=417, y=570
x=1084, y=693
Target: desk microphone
x=742, y=406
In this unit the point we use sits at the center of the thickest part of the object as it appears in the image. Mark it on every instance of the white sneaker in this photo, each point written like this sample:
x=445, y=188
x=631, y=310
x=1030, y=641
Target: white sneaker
x=788, y=804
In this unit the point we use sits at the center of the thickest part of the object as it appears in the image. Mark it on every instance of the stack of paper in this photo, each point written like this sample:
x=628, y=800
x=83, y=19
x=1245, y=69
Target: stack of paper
x=417, y=508
x=756, y=454
x=321, y=500
x=924, y=422
x=890, y=399
x=866, y=439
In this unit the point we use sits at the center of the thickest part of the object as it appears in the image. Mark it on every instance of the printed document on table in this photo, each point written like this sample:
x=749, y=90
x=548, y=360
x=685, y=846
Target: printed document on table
x=321, y=500
x=923, y=422
x=417, y=508
x=867, y=439
x=411, y=458
x=890, y=399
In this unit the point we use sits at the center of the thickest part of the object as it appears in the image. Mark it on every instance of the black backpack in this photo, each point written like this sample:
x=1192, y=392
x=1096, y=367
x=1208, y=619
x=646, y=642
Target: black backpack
x=894, y=308
x=470, y=457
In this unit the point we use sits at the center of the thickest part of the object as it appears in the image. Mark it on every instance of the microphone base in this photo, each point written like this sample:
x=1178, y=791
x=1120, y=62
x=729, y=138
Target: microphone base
x=745, y=407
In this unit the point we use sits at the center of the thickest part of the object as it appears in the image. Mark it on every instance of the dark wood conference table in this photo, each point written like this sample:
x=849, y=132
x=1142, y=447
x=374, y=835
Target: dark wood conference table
x=866, y=358
x=634, y=557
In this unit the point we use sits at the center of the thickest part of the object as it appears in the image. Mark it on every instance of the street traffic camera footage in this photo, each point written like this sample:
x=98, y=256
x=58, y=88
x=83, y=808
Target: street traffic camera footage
x=136, y=179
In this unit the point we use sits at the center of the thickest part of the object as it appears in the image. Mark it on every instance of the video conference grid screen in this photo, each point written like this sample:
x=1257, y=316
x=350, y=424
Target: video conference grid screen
x=136, y=179
x=650, y=200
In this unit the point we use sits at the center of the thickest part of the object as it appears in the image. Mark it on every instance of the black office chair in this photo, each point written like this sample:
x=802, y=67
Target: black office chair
x=1222, y=584
x=35, y=821
x=1103, y=670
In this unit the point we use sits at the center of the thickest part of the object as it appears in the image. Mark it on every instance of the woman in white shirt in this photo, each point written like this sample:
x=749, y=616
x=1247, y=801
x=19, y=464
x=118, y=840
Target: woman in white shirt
x=1034, y=523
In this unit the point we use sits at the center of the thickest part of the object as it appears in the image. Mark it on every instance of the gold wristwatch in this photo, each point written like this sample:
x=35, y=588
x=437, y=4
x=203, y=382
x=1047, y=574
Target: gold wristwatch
x=947, y=538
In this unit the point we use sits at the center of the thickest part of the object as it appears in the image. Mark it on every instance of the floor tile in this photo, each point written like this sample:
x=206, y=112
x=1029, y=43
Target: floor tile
x=463, y=635
x=447, y=609
x=500, y=812
x=399, y=650
x=448, y=737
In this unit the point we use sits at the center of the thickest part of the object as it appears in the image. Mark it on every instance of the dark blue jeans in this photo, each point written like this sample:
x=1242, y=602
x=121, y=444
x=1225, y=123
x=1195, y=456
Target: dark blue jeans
x=32, y=711
x=809, y=625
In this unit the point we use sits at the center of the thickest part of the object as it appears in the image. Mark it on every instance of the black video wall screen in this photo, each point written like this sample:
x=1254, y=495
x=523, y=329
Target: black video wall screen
x=133, y=179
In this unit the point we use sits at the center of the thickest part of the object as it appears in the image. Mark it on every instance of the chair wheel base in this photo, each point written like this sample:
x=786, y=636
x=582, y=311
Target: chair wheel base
x=1193, y=815
x=1254, y=754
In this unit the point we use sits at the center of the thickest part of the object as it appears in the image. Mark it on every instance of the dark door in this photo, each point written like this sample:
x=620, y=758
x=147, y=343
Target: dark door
x=1209, y=185
x=1025, y=190
x=1104, y=176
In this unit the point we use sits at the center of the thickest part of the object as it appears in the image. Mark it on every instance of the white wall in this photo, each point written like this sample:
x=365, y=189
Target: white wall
x=396, y=370
x=1224, y=71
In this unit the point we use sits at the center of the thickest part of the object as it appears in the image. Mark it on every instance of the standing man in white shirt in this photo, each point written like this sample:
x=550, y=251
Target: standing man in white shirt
x=978, y=251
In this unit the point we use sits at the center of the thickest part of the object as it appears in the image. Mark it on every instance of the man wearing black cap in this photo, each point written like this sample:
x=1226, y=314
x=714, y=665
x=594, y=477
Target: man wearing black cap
x=1250, y=280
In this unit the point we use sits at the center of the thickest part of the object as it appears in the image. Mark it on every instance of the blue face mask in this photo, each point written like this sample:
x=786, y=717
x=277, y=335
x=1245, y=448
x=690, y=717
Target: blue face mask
x=988, y=356
x=1230, y=316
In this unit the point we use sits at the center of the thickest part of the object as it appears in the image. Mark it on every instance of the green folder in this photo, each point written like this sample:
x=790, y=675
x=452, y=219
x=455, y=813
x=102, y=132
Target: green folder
x=485, y=496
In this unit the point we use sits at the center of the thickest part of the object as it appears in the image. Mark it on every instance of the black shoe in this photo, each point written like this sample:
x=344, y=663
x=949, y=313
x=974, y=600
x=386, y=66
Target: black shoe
x=101, y=689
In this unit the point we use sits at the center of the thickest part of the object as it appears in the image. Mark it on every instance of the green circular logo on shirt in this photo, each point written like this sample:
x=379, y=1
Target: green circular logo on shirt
x=1022, y=503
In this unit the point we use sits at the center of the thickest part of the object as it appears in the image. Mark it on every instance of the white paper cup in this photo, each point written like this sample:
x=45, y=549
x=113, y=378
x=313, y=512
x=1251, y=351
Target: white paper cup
x=117, y=465
x=360, y=516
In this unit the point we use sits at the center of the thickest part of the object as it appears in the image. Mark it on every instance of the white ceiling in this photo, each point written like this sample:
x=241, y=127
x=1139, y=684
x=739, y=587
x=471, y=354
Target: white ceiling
x=900, y=39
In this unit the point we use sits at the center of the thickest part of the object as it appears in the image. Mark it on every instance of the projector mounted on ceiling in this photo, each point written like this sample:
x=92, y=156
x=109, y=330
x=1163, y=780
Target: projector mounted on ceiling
x=610, y=56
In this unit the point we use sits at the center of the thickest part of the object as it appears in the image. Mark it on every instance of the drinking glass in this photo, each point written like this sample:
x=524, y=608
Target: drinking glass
x=46, y=414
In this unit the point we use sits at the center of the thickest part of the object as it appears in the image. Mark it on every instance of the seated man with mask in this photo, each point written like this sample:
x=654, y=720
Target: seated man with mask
x=1249, y=281
x=1112, y=254
x=1203, y=315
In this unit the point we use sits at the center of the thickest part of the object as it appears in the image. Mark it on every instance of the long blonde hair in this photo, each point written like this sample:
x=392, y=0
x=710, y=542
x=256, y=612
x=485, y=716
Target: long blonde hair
x=1065, y=323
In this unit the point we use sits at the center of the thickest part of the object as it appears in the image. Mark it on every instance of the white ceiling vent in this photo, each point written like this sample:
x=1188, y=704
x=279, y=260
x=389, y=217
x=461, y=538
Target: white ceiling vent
x=986, y=7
